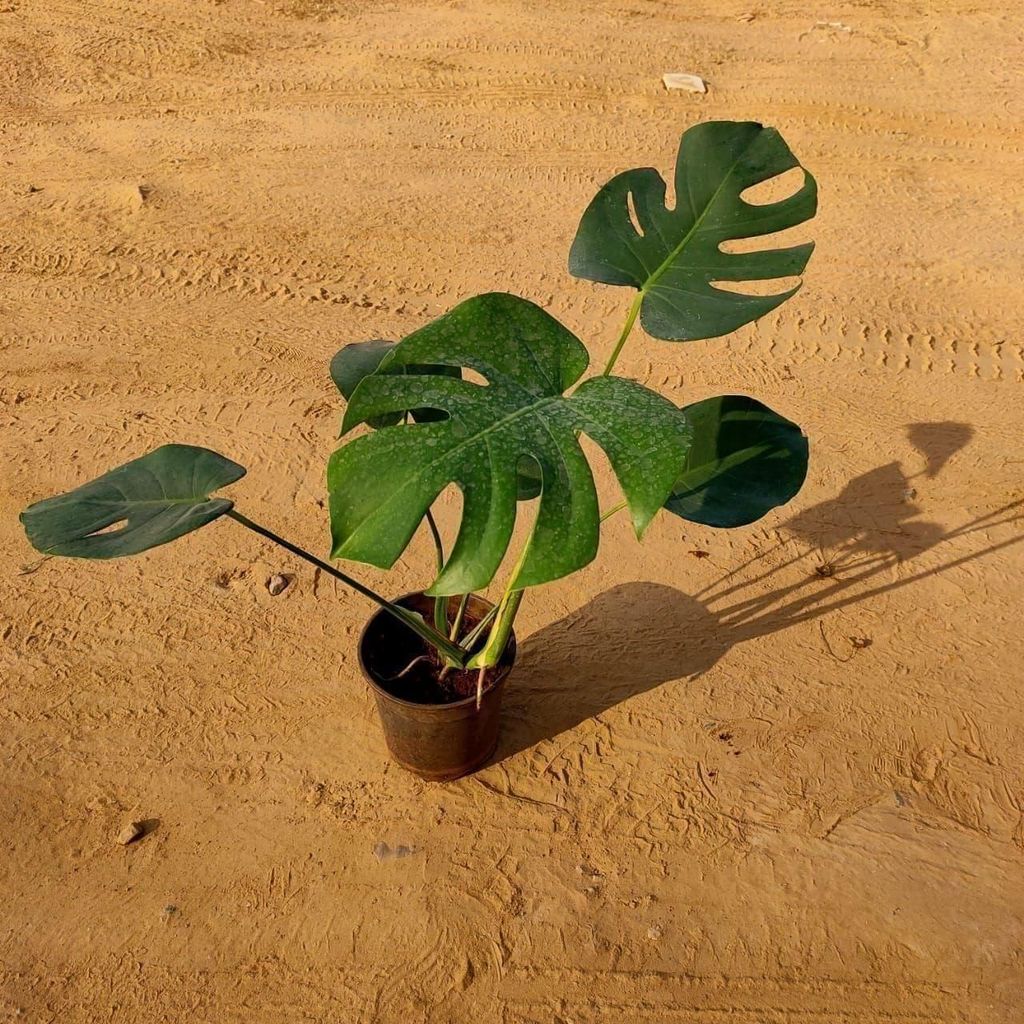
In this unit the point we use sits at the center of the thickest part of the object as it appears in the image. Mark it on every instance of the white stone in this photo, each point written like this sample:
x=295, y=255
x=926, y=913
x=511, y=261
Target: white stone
x=131, y=831
x=688, y=83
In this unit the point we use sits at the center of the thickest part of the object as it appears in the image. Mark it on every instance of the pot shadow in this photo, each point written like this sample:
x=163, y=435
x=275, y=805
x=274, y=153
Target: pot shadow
x=586, y=663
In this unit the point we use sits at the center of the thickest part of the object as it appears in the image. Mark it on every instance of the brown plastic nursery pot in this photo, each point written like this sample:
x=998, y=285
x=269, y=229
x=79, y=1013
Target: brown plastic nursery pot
x=435, y=741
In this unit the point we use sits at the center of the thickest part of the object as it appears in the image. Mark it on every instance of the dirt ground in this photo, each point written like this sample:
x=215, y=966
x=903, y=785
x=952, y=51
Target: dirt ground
x=780, y=783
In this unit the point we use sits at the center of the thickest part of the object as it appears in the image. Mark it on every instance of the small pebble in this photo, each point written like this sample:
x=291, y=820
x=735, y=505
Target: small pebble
x=278, y=584
x=384, y=851
x=132, y=831
x=836, y=26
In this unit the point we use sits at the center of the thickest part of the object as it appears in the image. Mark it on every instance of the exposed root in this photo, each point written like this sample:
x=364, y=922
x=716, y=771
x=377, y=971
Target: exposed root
x=408, y=668
x=828, y=646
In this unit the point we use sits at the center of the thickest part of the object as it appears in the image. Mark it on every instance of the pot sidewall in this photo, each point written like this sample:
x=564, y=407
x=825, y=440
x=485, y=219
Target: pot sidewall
x=438, y=741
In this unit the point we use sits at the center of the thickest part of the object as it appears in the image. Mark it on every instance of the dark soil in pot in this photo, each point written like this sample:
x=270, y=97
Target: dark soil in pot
x=412, y=670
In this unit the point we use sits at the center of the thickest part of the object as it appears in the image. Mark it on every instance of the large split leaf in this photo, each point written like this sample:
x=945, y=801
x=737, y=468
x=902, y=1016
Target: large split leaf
x=382, y=484
x=675, y=257
x=361, y=358
x=159, y=497
x=744, y=461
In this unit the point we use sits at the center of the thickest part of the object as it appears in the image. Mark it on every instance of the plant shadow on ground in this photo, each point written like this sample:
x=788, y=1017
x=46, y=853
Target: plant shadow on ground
x=589, y=661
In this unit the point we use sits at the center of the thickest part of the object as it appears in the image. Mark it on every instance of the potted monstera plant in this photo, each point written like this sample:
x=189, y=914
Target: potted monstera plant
x=437, y=660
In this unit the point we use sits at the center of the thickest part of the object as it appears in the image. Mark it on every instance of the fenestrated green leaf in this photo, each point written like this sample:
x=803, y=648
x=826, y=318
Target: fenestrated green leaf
x=675, y=257
x=356, y=361
x=382, y=484
x=744, y=461
x=159, y=497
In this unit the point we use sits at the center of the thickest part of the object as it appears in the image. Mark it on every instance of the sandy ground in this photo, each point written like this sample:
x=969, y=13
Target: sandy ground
x=732, y=788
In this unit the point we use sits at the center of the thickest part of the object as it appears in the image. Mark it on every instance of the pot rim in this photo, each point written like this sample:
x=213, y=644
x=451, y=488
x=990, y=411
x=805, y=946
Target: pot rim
x=511, y=650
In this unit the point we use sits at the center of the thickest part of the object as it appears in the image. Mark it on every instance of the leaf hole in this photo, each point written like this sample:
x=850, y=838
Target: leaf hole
x=530, y=478
x=768, y=286
x=449, y=502
x=773, y=190
x=115, y=527
x=475, y=377
x=775, y=240
x=605, y=481
x=634, y=217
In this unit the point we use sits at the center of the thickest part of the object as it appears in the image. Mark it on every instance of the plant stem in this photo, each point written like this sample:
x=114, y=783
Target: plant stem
x=615, y=508
x=438, y=544
x=508, y=606
x=500, y=631
x=440, y=603
x=634, y=311
x=460, y=614
x=411, y=619
x=474, y=634
x=498, y=639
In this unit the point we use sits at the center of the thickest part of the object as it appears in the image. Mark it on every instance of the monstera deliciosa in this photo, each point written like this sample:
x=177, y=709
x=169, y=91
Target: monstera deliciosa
x=489, y=399
x=382, y=485
x=674, y=256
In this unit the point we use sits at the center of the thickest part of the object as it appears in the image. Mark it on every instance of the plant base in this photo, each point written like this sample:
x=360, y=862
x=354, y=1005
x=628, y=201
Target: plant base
x=435, y=740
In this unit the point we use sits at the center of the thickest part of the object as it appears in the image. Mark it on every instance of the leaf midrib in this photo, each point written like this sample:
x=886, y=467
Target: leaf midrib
x=132, y=503
x=666, y=263
x=710, y=470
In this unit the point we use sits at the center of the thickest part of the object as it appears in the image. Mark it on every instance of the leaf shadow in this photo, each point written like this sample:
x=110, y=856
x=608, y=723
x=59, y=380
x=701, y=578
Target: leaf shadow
x=590, y=661
x=939, y=442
